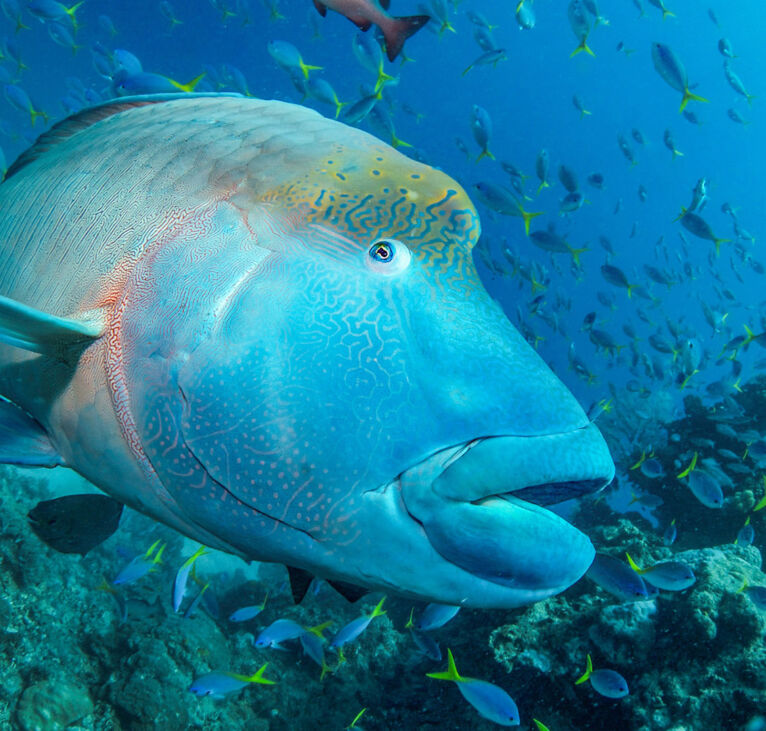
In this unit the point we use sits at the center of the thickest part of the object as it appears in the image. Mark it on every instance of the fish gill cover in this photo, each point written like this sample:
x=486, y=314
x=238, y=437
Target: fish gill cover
x=269, y=332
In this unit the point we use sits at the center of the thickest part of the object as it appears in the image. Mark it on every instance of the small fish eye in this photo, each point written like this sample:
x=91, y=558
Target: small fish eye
x=382, y=251
x=394, y=254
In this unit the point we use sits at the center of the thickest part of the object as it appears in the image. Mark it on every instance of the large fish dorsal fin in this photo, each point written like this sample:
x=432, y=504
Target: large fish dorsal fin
x=26, y=327
x=87, y=117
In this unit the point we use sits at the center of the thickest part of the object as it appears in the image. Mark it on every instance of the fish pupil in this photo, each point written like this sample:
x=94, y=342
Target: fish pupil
x=381, y=251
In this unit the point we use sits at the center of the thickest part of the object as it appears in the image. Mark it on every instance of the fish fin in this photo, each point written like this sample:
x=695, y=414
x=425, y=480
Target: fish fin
x=257, y=677
x=528, y=216
x=688, y=97
x=588, y=672
x=150, y=550
x=378, y=609
x=634, y=565
x=338, y=106
x=718, y=243
x=201, y=551
x=760, y=505
x=689, y=469
x=350, y=592
x=321, y=8
x=666, y=13
x=299, y=582
x=319, y=629
x=582, y=47
x=398, y=30
x=23, y=440
x=544, y=184
x=485, y=153
x=306, y=67
x=410, y=624
x=32, y=329
x=450, y=673
x=190, y=86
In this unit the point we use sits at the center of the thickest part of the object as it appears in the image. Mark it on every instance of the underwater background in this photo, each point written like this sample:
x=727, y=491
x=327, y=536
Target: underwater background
x=652, y=316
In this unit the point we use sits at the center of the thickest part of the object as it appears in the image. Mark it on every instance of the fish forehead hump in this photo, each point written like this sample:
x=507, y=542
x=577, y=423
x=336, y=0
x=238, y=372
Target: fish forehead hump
x=150, y=161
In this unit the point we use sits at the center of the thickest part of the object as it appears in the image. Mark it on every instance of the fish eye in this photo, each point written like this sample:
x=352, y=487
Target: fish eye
x=388, y=256
x=382, y=251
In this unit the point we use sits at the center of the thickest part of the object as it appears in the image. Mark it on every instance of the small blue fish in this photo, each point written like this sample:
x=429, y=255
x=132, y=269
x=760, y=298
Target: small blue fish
x=652, y=468
x=705, y=489
x=19, y=99
x=141, y=565
x=245, y=614
x=289, y=57
x=492, y=702
x=145, y=82
x=617, y=578
x=127, y=61
x=182, y=576
x=189, y=613
x=311, y=642
x=53, y=10
x=355, y=627
x=435, y=616
x=670, y=534
x=221, y=684
x=427, y=645
x=746, y=534
x=756, y=594
x=481, y=126
x=667, y=575
x=608, y=683
x=322, y=91
x=106, y=24
x=281, y=630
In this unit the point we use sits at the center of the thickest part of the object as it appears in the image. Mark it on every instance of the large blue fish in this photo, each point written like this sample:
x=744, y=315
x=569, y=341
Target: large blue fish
x=265, y=329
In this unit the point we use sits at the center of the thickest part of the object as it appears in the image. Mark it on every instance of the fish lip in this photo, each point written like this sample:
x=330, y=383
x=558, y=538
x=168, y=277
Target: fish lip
x=541, y=493
x=464, y=500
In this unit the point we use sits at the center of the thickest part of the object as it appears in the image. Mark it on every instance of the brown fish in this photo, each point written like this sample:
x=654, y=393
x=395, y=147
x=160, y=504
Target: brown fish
x=365, y=13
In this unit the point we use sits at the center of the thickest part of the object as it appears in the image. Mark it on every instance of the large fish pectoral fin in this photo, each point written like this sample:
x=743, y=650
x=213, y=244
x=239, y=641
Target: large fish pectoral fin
x=31, y=329
x=23, y=440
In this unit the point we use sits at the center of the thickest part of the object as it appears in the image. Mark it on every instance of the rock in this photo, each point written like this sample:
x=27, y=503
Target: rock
x=51, y=705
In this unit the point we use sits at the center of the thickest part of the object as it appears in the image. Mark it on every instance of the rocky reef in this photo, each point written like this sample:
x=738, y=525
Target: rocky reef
x=693, y=659
x=77, y=652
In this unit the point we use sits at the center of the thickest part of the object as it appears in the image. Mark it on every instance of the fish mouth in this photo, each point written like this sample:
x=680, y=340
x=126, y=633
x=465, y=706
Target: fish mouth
x=483, y=507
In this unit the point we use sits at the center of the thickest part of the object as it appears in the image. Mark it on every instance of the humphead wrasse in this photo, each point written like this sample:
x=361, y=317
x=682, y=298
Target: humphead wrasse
x=265, y=329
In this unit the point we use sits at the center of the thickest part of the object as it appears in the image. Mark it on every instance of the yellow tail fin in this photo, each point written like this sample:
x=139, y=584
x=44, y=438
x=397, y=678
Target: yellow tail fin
x=450, y=673
x=588, y=671
x=257, y=677
x=485, y=153
x=634, y=565
x=582, y=47
x=688, y=97
x=190, y=86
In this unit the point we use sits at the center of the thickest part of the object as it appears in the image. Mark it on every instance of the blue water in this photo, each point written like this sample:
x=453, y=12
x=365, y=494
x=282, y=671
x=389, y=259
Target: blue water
x=529, y=98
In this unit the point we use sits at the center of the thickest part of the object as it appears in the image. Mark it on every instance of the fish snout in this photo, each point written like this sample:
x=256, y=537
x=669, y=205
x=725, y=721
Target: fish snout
x=482, y=507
